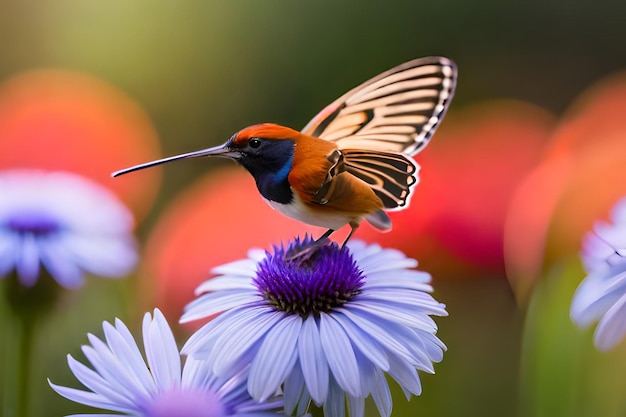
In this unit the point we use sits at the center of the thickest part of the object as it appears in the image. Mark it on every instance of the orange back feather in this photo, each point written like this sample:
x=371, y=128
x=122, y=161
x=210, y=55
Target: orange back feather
x=310, y=168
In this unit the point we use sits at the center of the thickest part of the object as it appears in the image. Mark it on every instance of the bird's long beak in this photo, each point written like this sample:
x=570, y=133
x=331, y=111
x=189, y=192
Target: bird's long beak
x=220, y=151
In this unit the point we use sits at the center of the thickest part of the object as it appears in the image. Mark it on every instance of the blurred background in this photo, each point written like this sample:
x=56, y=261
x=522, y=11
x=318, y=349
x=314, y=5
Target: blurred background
x=510, y=182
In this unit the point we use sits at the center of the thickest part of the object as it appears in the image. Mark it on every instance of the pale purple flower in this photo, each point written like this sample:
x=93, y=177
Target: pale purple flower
x=325, y=326
x=64, y=223
x=601, y=296
x=123, y=382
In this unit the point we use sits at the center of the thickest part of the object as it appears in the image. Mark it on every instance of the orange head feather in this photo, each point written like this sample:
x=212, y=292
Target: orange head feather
x=263, y=131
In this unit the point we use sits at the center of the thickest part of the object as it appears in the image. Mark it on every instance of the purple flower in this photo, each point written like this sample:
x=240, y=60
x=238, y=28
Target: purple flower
x=601, y=296
x=325, y=327
x=64, y=223
x=122, y=381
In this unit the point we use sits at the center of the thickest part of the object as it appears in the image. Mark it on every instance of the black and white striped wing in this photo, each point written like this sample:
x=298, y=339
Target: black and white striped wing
x=390, y=175
x=396, y=111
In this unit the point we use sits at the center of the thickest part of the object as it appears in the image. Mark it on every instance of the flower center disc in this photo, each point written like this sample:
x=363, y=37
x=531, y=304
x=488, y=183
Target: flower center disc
x=317, y=282
x=186, y=403
x=32, y=222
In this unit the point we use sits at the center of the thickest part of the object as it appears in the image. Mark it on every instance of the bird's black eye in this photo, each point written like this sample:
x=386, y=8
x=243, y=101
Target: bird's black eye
x=254, y=142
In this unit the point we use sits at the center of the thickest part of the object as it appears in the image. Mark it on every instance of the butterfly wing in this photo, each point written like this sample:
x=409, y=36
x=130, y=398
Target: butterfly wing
x=396, y=111
x=390, y=175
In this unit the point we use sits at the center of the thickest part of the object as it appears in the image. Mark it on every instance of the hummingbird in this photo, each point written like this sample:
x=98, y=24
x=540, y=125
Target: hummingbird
x=354, y=160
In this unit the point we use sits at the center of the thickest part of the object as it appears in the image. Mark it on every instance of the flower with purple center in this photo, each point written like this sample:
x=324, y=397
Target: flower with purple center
x=324, y=326
x=123, y=382
x=601, y=296
x=65, y=224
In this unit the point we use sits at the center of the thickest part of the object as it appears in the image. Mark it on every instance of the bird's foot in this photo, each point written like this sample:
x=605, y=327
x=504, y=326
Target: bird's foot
x=304, y=254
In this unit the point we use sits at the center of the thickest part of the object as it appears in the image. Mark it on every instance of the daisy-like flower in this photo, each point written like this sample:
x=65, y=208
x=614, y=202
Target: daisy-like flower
x=123, y=382
x=326, y=327
x=64, y=223
x=601, y=296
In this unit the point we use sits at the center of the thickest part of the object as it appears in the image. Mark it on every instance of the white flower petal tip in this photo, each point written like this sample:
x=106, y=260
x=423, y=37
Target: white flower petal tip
x=601, y=296
x=325, y=328
x=122, y=381
x=63, y=223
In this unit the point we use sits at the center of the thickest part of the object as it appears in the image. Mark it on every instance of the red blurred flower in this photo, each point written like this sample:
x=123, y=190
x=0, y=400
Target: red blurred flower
x=578, y=182
x=62, y=120
x=594, y=184
x=597, y=113
x=455, y=223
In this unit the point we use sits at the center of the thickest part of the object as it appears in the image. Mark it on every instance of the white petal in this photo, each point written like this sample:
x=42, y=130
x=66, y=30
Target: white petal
x=595, y=295
x=107, y=256
x=99, y=385
x=293, y=388
x=397, y=313
x=313, y=361
x=257, y=255
x=356, y=247
x=9, y=244
x=107, y=365
x=335, y=400
x=275, y=358
x=373, y=259
x=385, y=264
x=405, y=279
x=340, y=355
x=28, y=261
x=225, y=282
x=612, y=327
x=60, y=264
x=241, y=268
x=405, y=375
x=361, y=251
x=379, y=330
x=303, y=405
x=367, y=371
x=129, y=356
x=161, y=351
x=382, y=395
x=196, y=373
x=356, y=405
x=209, y=304
x=201, y=343
x=364, y=342
x=88, y=398
x=245, y=331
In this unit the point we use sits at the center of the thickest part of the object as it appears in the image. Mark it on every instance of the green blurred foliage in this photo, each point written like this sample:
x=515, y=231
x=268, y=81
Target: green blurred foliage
x=204, y=69
x=562, y=374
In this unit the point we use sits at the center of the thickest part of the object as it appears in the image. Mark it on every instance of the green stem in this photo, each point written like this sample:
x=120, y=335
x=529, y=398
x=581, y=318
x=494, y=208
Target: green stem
x=7, y=355
x=26, y=307
x=17, y=365
x=25, y=346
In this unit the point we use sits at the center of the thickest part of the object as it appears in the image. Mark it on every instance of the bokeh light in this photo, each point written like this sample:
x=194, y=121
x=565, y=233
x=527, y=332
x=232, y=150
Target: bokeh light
x=454, y=224
x=593, y=132
x=576, y=184
x=67, y=120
